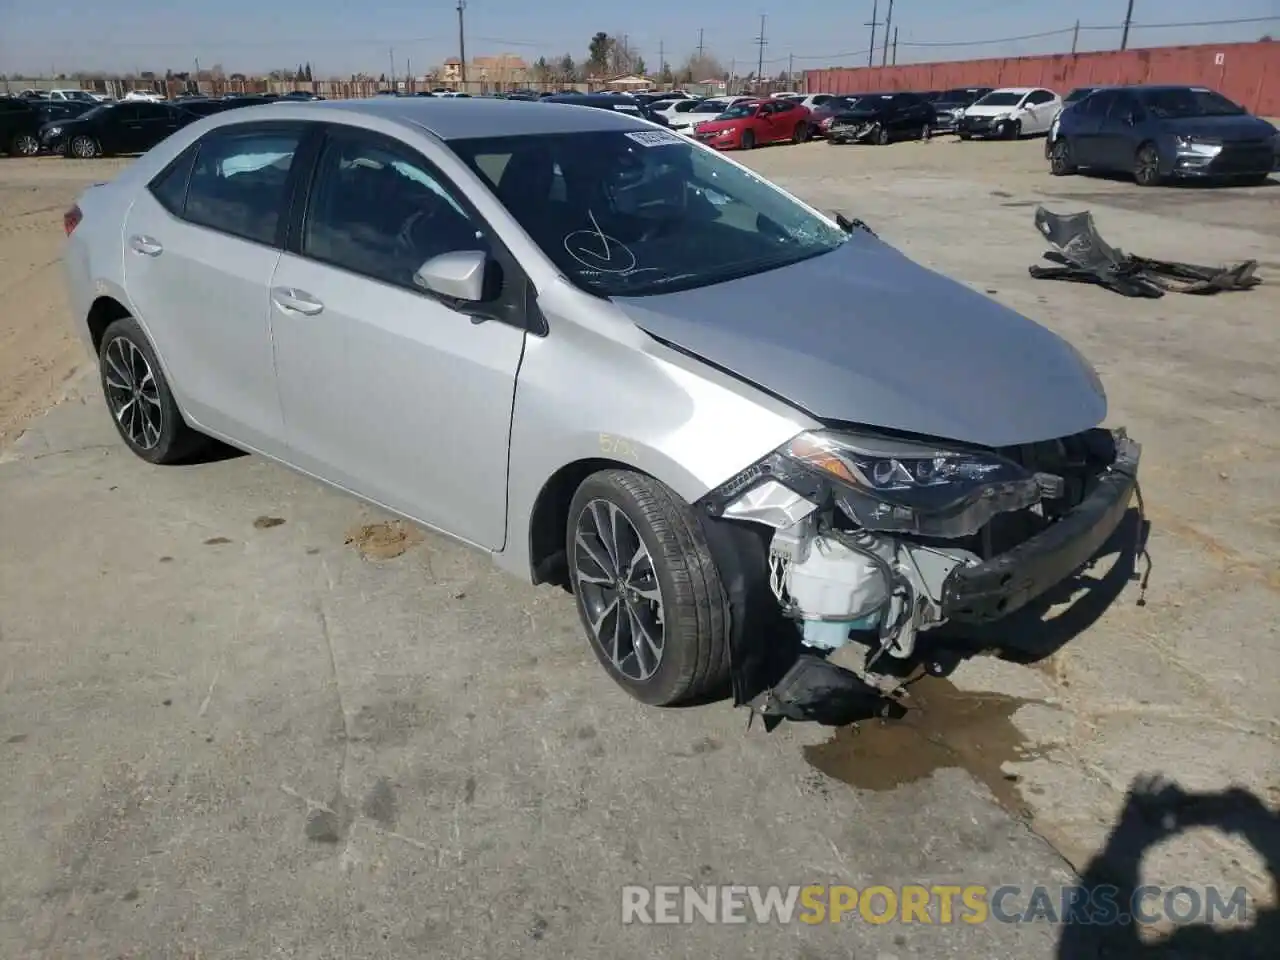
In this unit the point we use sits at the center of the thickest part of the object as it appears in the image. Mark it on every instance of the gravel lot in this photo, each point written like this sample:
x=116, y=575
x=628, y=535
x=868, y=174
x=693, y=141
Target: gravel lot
x=243, y=716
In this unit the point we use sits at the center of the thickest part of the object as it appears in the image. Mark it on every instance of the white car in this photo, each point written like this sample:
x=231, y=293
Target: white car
x=79, y=96
x=1009, y=113
x=149, y=96
x=702, y=110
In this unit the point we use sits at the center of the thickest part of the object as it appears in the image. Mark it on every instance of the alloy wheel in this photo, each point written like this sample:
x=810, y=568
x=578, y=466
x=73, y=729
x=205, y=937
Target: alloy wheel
x=25, y=145
x=618, y=584
x=83, y=147
x=1060, y=158
x=1146, y=170
x=133, y=396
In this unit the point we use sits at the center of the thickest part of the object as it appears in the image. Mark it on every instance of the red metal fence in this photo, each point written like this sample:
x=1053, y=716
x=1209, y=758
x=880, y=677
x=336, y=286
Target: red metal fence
x=1248, y=73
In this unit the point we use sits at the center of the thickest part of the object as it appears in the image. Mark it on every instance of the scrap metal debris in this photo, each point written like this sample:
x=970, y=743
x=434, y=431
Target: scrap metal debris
x=1084, y=257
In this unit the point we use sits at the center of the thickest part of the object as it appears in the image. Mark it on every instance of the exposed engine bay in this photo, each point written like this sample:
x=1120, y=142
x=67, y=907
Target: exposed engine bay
x=880, y=539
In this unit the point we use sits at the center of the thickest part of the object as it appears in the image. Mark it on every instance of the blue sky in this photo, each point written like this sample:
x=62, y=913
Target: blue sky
x=340, y=38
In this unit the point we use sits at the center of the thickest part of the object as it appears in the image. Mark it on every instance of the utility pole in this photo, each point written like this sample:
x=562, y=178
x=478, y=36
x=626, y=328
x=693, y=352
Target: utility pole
x=1075, y=38
x=462, y=45
x=391, y=59
x=699, y=43
x=895, y=46
x=791, y=71
x=662, y=60
x=760, y=42
x=1128, y=19
x=888, y=22
x=871, y=51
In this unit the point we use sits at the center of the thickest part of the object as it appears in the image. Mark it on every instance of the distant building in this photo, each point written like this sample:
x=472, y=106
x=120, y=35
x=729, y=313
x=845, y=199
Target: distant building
x=631, y=81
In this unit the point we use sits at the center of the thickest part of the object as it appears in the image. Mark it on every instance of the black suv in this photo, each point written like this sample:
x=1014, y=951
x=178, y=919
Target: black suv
x=20, y=123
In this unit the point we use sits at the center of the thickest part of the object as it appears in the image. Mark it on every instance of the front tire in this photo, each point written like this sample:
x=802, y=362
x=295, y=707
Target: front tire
x=647, y=588
x=1060, y=162
x=1146, y=166
x=84, y=148
x=139, y=399
x=748, y=140
x=883, y=137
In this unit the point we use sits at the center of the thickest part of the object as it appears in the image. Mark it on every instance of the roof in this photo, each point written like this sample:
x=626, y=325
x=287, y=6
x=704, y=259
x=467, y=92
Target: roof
x=459, y=118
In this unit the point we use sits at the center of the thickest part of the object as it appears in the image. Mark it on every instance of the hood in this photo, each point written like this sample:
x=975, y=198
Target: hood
x=865, y=335
x=974, y=110
x=862, y=113
x=1242, y=126
x=711, y=126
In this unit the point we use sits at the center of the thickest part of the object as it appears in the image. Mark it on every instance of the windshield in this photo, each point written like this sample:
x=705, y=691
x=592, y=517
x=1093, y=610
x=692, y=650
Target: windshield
x=709, y=106
x=644, y=211
x=738, y=110
x=1078, y=94
x=1000, y=99
x=101, y=110
x=1189, y=102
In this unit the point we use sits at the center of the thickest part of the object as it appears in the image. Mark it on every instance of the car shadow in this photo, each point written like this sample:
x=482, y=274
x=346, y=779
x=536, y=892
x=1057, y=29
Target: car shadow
x=1038, y=631
x=1103, y=925
x=215, y=451
x=1116, y=176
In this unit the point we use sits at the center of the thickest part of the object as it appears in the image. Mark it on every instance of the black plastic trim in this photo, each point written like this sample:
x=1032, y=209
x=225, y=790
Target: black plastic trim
x=997, y=587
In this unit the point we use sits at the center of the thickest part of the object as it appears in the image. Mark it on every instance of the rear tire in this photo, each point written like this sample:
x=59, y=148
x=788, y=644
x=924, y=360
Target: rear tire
x=801, y=133
x=926, y=132
x=658, y=573
x=139, y=399
x=965, y=136
x=24, y=145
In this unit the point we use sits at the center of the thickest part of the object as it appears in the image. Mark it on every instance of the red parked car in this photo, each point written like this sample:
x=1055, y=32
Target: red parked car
x=752, y=122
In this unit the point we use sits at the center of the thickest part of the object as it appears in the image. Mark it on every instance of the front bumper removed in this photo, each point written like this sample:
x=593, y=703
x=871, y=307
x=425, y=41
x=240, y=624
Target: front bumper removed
x=782, y=631
x=995, y=588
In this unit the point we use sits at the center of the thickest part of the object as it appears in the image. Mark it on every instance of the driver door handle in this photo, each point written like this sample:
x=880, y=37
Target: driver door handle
x=292, y=300
x=145, y=245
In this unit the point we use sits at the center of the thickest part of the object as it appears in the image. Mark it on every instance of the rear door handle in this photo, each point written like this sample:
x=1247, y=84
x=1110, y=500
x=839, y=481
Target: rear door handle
x=293, y=300
x=148, y=246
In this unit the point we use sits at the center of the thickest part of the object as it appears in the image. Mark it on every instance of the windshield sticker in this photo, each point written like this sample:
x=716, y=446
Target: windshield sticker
x=653, y=138
x=598, y=251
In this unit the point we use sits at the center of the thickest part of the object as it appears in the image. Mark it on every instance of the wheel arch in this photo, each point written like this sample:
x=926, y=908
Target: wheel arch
x=549, y=516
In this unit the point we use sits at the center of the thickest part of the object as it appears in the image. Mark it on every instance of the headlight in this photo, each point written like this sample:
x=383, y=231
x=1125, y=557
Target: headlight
x=1204, y=146
x=889, y=485
x=726, y=131
x=899, y=486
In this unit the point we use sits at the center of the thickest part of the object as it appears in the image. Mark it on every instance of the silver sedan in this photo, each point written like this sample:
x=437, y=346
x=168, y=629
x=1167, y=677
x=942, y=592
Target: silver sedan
x=740, y=432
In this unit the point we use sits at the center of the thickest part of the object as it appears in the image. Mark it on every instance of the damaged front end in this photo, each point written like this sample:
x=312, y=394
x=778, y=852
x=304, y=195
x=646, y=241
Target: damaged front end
x=853, y=131
x=881, y=539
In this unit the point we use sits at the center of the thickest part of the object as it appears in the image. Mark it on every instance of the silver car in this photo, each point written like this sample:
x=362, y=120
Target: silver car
x=741, y=433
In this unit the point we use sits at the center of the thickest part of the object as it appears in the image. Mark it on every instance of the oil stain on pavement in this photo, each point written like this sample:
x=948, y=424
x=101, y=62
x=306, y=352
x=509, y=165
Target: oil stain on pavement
x=944, y=728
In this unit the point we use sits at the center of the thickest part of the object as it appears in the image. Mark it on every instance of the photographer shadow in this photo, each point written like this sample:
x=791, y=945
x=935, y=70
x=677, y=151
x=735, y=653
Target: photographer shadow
x=1154, y=811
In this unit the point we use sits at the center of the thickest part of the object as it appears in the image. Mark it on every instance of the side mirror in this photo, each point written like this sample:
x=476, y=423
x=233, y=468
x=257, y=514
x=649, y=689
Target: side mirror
x=457, y=276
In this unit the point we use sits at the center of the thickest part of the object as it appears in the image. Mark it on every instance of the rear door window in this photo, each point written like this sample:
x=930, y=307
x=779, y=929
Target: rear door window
x=239, y=181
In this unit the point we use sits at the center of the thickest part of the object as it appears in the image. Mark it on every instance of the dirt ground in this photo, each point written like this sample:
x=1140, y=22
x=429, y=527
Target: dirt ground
x=38, y=353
